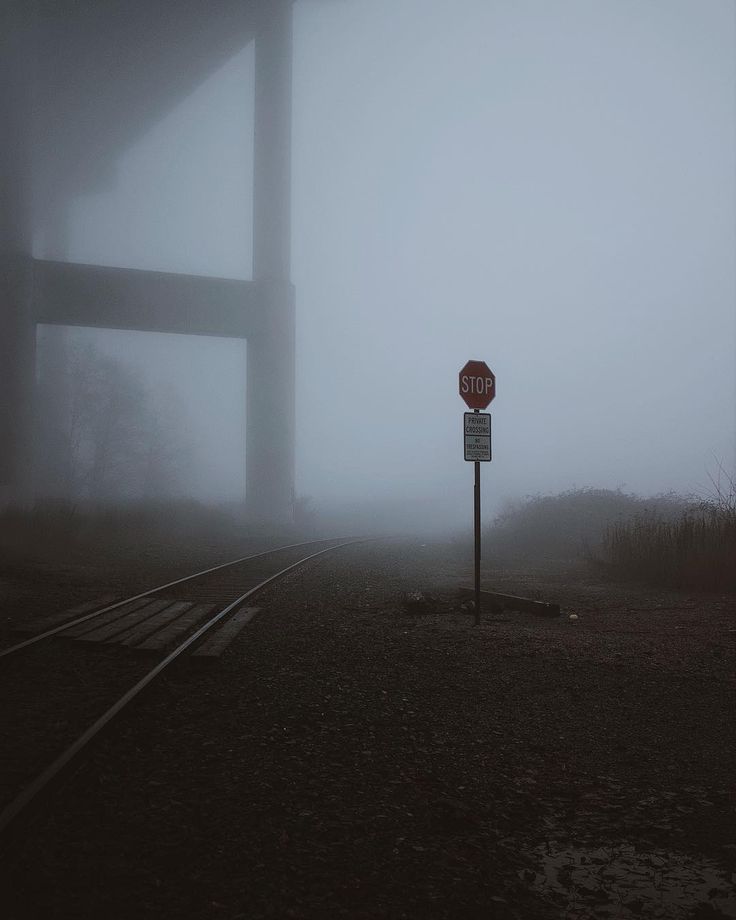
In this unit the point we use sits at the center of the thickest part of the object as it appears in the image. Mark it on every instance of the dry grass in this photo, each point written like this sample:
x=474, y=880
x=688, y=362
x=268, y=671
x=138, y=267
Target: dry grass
x=664, y=540
x=66, y=533
x=570, y=524
x=696, y=550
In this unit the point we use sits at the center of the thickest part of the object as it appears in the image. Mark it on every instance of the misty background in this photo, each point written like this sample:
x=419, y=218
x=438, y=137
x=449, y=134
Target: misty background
x=545, y=186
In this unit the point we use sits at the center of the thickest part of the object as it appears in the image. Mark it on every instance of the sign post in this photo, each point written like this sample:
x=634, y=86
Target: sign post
x=477, y=388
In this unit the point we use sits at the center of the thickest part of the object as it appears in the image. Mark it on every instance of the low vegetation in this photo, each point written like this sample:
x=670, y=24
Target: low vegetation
x=666, y=540
x=126, y=534
x=571, y=524
x=695, y=550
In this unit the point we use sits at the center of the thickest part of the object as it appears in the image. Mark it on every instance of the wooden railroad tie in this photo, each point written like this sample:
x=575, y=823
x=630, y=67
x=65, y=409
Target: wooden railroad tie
x=216, y=645
x=511, y=602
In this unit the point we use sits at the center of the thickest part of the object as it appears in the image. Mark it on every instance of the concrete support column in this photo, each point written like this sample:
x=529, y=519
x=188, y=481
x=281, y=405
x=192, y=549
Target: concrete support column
x=272, y=142
x=269, y=461
x=271, y=357
x=17, y=326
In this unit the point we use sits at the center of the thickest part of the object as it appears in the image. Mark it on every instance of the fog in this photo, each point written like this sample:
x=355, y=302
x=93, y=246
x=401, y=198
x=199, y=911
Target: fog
x=548, y=187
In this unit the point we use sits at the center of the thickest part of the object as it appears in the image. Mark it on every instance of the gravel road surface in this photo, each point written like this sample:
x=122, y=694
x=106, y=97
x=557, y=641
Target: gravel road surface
x=363, y=751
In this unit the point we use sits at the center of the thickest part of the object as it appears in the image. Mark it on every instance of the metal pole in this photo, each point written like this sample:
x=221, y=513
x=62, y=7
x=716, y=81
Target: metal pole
x=476, y=496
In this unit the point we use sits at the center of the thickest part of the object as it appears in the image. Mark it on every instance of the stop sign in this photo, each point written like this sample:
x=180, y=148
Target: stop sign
x=477, y=384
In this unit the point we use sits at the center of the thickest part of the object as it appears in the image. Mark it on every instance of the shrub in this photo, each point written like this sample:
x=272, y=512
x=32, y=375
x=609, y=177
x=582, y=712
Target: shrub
x=570, y=524
x=666, y=539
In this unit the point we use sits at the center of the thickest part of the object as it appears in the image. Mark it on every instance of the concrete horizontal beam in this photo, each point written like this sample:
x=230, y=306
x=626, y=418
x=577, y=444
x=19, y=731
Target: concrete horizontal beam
x=511, y=602
x=71, y=294
x=107, y=71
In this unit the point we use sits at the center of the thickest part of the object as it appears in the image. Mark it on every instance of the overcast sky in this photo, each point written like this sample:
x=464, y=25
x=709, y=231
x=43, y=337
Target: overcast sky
x=548, y=186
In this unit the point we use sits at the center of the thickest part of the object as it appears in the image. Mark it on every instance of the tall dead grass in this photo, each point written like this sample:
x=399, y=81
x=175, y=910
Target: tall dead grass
x=571, y=524
x=696, y=550
x=665, y=540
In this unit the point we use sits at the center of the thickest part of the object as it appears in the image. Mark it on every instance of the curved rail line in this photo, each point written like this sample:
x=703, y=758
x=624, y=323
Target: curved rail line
x=33, y=791
x=77, y=621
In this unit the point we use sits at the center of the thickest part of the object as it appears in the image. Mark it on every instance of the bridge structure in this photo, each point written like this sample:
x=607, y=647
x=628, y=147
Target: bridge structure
x=81, y=80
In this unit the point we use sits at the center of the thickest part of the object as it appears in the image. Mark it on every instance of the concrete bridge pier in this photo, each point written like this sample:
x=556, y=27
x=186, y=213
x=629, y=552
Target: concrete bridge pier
x=17, y=380
x=17, y=326
x=270, y=410
x=271, y=354
x=56, y=87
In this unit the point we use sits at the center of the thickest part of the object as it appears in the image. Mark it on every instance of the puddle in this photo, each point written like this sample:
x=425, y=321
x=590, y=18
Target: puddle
x=624, y=882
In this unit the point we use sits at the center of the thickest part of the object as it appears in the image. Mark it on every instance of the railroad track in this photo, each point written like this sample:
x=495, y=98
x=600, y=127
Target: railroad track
x=199, y=614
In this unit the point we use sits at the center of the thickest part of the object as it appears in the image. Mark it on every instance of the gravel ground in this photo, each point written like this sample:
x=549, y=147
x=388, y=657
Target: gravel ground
x=363, y=751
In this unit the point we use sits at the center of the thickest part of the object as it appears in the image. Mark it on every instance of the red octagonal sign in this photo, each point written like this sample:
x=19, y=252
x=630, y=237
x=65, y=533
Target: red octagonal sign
x=477, y=384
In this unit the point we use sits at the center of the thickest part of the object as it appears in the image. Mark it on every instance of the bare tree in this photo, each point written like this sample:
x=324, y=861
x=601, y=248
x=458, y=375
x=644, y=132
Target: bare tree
x=116, y=439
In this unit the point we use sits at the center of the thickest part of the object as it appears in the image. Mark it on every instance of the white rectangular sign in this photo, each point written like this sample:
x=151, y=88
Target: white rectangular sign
x=477, y=447
x=477, y=423
x=477, y=436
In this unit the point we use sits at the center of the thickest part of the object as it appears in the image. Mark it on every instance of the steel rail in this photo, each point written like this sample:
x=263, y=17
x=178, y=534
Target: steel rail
x=31, y=793
x=129, y=600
